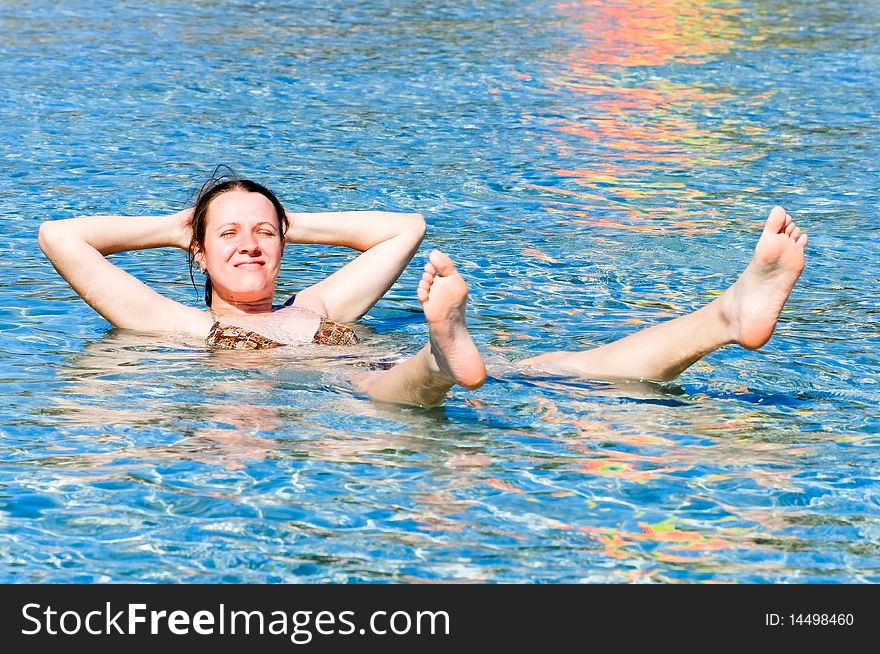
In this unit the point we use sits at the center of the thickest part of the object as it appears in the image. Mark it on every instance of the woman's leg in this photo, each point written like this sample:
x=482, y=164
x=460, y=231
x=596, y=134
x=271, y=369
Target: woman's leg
x=746, y=313
x=449, y=358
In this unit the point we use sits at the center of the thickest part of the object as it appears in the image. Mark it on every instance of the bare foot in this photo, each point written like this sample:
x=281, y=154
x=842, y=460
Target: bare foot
x=443, y=294
x=751, y=306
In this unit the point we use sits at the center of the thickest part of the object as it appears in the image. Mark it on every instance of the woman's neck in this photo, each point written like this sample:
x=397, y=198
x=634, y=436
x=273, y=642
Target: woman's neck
x=222, y=307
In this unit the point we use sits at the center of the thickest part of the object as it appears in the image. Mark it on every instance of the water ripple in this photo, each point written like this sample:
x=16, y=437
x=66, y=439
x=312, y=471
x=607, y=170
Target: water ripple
x=604, y=174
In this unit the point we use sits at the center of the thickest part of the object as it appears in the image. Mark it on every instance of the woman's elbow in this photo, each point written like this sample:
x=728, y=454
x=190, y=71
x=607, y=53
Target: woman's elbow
x=48, y=236
x=418, y=225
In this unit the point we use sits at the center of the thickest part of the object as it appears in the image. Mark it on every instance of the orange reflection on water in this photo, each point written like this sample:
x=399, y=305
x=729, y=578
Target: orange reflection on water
x=639, y=33
x=643, y=122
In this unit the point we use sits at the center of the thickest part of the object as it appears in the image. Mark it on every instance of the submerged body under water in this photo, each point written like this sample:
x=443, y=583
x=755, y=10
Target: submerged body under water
x=607, y=173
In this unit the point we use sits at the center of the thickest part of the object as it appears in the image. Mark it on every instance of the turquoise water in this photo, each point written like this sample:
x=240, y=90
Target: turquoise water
x=595, y=167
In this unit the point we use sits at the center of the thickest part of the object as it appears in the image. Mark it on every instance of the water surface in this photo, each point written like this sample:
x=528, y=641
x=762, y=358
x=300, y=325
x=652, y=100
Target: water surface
x=594, y=166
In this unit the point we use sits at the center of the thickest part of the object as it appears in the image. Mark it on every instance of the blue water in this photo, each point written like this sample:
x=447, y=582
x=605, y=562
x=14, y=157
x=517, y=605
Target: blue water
x=595, y=167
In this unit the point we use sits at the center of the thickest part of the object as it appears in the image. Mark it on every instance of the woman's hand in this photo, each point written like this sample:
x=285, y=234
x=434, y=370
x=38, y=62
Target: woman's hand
x=182, y=223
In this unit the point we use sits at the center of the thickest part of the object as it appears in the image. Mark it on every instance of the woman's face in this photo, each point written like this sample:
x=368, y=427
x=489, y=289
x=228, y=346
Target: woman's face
x=243, y=247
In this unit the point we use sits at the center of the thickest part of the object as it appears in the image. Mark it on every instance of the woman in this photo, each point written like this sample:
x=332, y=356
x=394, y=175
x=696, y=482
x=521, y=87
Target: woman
x=237, y=230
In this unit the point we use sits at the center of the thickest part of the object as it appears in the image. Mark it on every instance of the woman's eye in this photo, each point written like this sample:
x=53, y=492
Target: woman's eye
x=225, y=234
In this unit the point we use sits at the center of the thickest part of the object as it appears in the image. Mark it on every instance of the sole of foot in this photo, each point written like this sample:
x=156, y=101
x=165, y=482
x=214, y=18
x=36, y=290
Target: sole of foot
x=443, y=294
x=752, y=305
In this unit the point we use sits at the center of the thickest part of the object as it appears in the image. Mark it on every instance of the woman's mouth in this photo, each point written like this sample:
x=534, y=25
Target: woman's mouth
x=249, y=265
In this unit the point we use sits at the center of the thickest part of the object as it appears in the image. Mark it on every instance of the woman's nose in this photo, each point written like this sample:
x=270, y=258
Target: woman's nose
x=248, y=243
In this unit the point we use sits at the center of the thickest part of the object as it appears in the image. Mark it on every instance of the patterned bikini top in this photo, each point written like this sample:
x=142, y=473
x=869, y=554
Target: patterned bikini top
x=232, y=337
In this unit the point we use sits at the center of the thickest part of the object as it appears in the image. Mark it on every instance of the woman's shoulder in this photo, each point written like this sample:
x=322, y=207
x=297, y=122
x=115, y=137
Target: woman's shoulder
x=194, y=322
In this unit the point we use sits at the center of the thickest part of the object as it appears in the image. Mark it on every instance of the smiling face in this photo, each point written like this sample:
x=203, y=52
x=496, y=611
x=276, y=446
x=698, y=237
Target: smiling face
x=242, y=249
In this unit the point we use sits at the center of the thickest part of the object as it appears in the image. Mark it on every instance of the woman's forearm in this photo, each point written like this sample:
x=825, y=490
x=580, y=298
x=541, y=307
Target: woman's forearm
x=111, y=234
x=359, y=230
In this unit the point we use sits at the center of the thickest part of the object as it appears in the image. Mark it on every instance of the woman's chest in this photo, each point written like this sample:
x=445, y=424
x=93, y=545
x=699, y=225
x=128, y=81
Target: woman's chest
x=289, y=326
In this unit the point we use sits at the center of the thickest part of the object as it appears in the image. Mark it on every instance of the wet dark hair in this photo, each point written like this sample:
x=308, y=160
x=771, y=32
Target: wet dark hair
x=221, y=181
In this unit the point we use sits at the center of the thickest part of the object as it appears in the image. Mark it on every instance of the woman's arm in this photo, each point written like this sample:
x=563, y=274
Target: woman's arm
x=388, y=242
x=77, y=248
